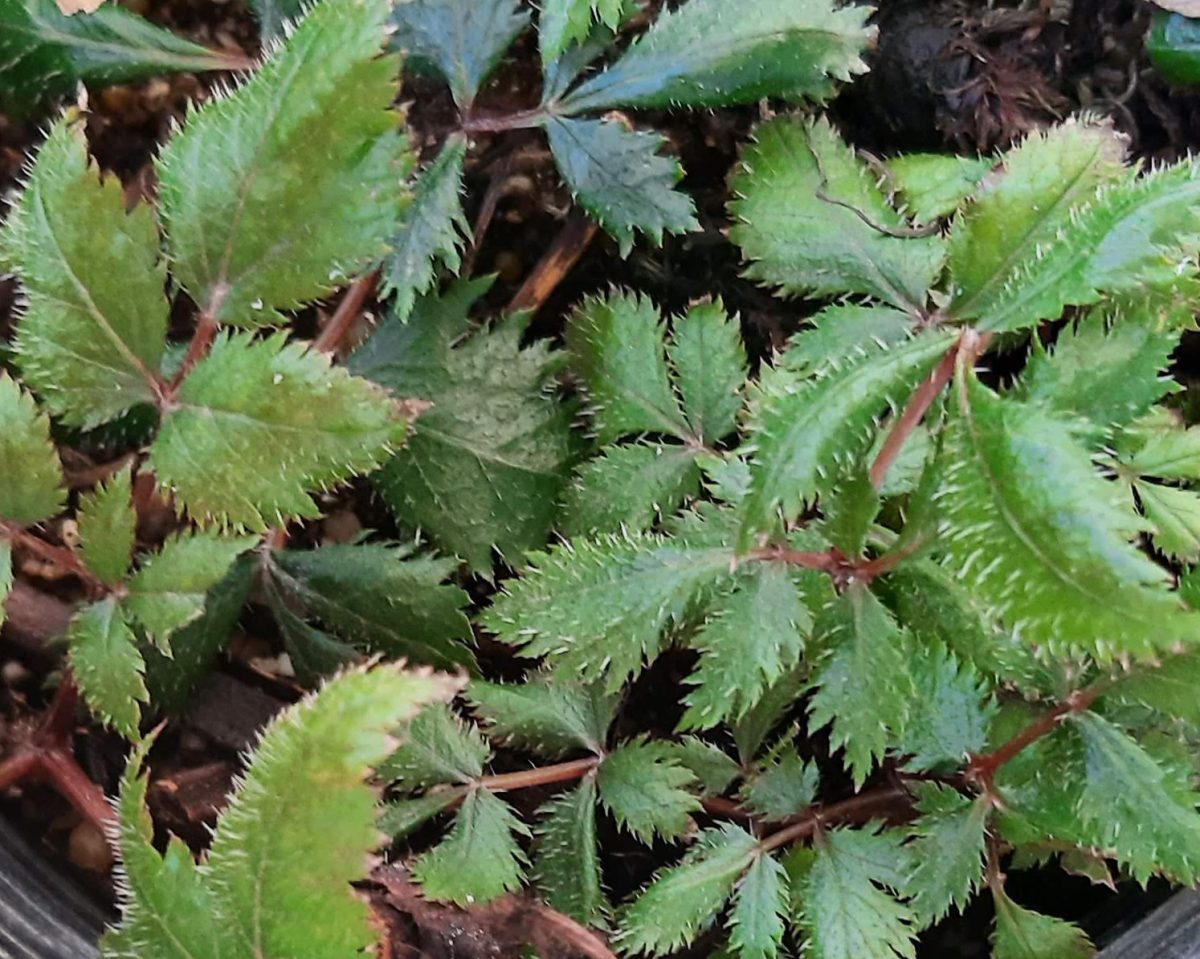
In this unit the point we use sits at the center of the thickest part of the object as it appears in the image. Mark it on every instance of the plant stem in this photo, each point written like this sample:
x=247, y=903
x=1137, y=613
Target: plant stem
x=860, y=808
x=542, y=776
x=568, y=247
x=201, y=343
x=827, y=561
x=501, y=122
x=346, y=315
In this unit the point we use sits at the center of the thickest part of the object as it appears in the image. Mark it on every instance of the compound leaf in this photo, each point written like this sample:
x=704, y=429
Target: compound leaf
x=1024, y=934
x=107, y=525
x=33, y=487
x=107, y=665
x=567, y=864
x=549, y=718
x=247, y=187
x=643, y=785
x=259, y=423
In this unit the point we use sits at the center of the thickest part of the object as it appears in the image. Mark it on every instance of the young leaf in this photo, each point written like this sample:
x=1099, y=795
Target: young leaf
x=754, y=640
x=567, y=865
x=44, y=52
x=548, y=717
x=485, y=837
x=709, y=362
x=32, y=490
x=1023, y=934
x=616, y=346
x=709, y=53
x=951, y=711
x=933, y=185
x=462, y=39
x=438, y=749
x=1033, y=530
x=169, y=590
x=866, y=687
x=259, y=423
x=107, y=665
x=107, y=525
x=597, y=608
x=760, y=905
x=382, y=600
x=618, y=175
x=431, y=229
x=95, y=320
x=784, y=785
x=1175, y=516
x=562, y=23
x=805, y=432
x=248, y=186
x=798, y=195
x=1046, y=181
x=686, y=899
x=947, y=850
x=643, y=785
x=846, y=912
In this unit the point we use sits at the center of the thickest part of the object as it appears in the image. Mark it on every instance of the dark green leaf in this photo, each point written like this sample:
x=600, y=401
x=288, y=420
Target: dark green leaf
x=643, y=785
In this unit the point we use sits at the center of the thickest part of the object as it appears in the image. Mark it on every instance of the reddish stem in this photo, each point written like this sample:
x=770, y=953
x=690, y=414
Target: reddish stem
x=542, y=776
x=827, y=561
x=18, y=767
x=500, y=122
x=346, y=315
x=201, y=343
x=568, y=247
x=61, y=771
x=862, y=808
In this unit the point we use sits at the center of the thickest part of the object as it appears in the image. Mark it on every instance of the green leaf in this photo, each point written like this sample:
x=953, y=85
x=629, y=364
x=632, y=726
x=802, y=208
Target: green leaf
x=485, y=836
x=169, y=589
x=1045, y=182
x=247, y=187
x=950, y=713
x=6, y=575
x=548, y=718
x=463, y=41
x=846, y=912
x=95, y=320
x=562, y=23
x=616, y=344
x=402, y=817
x=567, y=865
x=382, y=600
x=629, y=487
x=865, y=686
x=1147, y=823
x=797, y=238
x=684, y=900
x=1175, y=516
x=934, y=185
x=708, y=54
x=619, y=177
x=1169, y=687
x=806, y=432
x=485, y=467
x=431, y=229
x=783, y=785
x=1033, y=530
x=843, y=330
x=596, y=609
x=1023, y=934
x=107, y=665
x=851, y=510
x=947, y=850
x=107, y=524
x=643, y=785
x=44, y=52
x=760, y=906
x=713, y=768
x=438, y=749
x=32, y=490
x=756, y=638
x=1172, y=455
x=297, y=832
x=274, y=16
x=314, y=653
x=709, y=362
x=259, y=423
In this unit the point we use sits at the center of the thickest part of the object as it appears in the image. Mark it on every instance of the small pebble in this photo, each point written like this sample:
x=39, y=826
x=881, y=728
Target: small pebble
x=88, y=849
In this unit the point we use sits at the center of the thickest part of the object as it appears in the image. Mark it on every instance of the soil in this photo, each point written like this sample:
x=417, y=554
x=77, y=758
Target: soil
x=963, y=75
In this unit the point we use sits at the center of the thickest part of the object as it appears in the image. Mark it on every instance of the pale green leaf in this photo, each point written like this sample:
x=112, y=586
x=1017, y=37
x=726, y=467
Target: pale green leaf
x=865, y=685
x=782, y=785
x=644, y=786
x=757, y=637
x=934, y=185
x=709, y=53
x=596, y=609
x=169, y=589
x=259, y=424
x=1173, y=454
x=438, y=748
x=847, y=914
x=709, y=362
x=947, y=851
x=548, y=717
x=1024, y=934
x=567, y=864
x=797, y=238
x=620, y=177
x=249, y=187
x=807, y=430
x=107, y=665
x=950, y=713
x=298, y=831
x=684, y=900
x=431, y=230
x=1044, y=182
x=1034, y=531
x=44, y=52
x=480, y=859
x=107, y=524
x=462, y=39
x=760, y=906
x=95, y=319
x=563, y=23
x=1175, y=516
x=32, y=490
